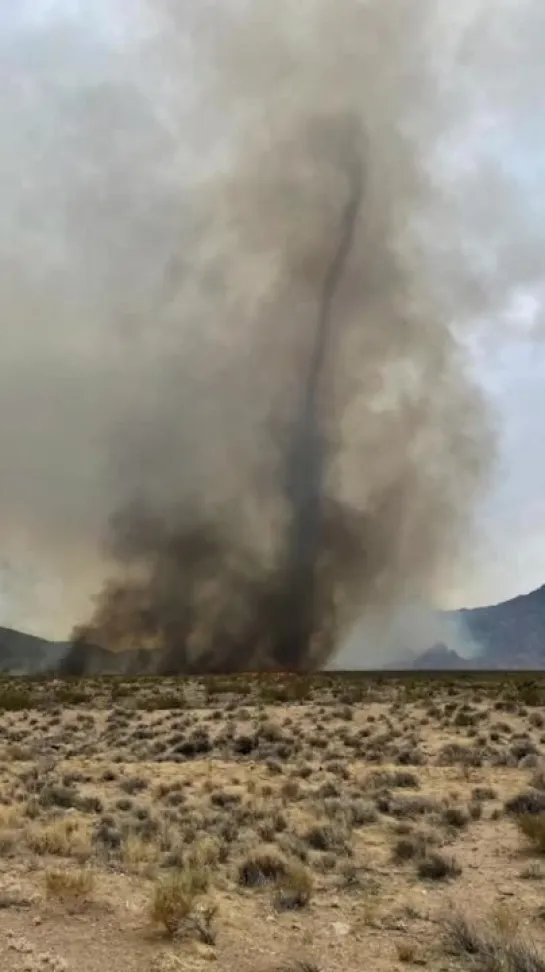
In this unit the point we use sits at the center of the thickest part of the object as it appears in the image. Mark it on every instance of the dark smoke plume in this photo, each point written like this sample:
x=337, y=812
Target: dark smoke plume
x=255, y=272
x=205, y=605
x=207, y=597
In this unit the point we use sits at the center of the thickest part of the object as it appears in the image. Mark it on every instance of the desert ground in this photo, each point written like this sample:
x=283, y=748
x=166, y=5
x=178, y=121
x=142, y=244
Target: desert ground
x=276, y=823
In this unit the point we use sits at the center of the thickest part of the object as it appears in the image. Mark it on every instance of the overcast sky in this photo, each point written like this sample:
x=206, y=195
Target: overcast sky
x=511, y=555
x=513, y=559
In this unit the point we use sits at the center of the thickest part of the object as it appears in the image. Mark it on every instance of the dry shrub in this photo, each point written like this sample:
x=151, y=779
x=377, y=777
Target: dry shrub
x=505, y=921
x=139, y=855
x=261, y=866
x=406, y=951
x=489, y=950
x=173, y=902
x=8, y=841
x=411, y=847
x=175, y=897
x=437, y=867
x=9, y=816
x=61, y=838
x=532, y=826
x=70, y=887
x=295, y=887
x=206, y=853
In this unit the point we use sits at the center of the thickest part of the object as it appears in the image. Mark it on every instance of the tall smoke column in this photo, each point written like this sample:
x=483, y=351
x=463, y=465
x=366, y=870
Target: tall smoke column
x=172, y=180
x=307, y=456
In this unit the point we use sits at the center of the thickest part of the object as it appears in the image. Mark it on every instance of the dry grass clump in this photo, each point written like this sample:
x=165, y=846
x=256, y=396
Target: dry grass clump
x=173, y=902
x=437, y=867
x=490, y=949
x=291, y=879
x=406, y=952
x=175, y=898
x=532, y=826
x=324, y=835
x=294, y=889
x=139, y=855
x=261, y=866
x=70, y=887
x=410, y=847
x=530, y=803
x=62, y=837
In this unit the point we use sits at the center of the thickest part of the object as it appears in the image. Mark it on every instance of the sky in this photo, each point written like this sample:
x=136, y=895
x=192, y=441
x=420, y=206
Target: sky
x=509, y=557
x=512, y=560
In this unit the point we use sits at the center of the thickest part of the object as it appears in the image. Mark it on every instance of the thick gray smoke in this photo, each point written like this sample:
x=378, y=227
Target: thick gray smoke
x=240, y=272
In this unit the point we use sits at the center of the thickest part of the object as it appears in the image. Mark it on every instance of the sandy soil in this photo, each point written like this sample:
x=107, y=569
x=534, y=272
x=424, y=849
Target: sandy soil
x=305, y=825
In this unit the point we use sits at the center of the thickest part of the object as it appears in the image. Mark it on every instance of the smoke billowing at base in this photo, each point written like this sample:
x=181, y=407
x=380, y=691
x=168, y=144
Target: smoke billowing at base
x=244, y=410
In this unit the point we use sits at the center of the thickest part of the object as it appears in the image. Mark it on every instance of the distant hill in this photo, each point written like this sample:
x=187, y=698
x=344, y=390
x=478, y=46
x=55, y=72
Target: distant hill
x=511, y=635
x=436, y=658
x=25, y=654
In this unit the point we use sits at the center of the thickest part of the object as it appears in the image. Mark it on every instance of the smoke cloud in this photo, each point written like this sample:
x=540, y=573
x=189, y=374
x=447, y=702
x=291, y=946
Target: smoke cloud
x=242, y=271
x=401, y=635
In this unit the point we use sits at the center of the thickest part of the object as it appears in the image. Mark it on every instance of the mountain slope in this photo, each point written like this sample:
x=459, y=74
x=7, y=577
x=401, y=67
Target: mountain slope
x=25, y=654
x=508, y=635
x=512, y=633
